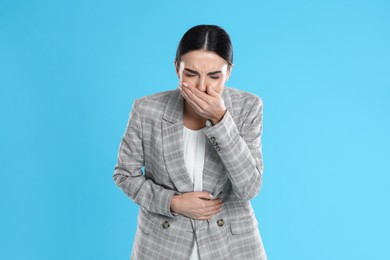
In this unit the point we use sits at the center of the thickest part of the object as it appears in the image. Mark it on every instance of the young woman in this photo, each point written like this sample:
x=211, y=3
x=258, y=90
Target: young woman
x=201, y=151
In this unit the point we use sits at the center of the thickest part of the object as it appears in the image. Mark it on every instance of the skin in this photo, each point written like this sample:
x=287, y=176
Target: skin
x=202, y=76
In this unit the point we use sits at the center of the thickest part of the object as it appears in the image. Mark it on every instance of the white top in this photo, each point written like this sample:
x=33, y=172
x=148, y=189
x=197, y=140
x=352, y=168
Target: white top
x=194, y=151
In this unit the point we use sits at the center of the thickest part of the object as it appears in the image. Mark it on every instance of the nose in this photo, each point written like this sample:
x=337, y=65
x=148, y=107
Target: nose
x=202, y=84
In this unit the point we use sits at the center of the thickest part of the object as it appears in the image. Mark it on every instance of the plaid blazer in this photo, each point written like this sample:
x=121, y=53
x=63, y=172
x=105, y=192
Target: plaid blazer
x=233, y=169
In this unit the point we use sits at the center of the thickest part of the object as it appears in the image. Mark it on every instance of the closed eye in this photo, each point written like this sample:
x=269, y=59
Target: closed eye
x=190, y=75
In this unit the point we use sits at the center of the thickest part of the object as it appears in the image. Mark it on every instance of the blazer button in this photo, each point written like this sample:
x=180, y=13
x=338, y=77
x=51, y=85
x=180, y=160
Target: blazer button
x=220, y=222
x=212, y=138
x=217, y=148
x=165, y=225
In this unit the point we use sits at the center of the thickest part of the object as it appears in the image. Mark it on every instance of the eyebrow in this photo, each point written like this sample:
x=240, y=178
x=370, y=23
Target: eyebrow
x=210, y=73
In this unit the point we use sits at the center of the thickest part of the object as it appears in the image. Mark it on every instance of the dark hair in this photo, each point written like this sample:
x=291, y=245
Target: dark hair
x=206, y=37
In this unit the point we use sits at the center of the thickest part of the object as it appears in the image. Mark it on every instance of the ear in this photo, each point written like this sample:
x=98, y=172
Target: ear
x=228, y=72
x=177, y=68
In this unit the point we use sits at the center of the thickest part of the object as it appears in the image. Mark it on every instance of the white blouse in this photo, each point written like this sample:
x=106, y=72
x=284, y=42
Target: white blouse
x=194, y=151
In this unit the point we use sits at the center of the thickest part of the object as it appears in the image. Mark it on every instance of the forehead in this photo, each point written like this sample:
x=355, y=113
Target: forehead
x=203, y=61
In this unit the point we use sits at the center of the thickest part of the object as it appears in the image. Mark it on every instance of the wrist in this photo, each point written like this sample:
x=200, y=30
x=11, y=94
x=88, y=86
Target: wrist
x=219, y=118
x=175, y=203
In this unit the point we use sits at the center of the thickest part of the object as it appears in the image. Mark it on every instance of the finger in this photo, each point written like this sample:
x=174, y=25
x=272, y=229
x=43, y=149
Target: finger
x=212, y=210
x=203, y=194
x=185, y=94
x=184, y=84
x=212, y=92
x=201, y=102
x=200, y=94
x=192, y=103
x=206, y=217
x=209, y=215
x=210, y=204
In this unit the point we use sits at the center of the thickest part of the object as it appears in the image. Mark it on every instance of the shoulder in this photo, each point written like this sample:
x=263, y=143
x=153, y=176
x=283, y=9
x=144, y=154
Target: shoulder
x=152, y=105
x=244, y=101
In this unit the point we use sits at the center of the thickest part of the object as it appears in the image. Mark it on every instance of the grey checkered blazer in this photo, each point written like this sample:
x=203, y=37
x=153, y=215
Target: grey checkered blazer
x=233, y=169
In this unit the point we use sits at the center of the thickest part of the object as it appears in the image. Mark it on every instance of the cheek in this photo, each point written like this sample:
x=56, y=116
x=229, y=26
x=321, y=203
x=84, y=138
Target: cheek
x=190, y=80
x=219, y=85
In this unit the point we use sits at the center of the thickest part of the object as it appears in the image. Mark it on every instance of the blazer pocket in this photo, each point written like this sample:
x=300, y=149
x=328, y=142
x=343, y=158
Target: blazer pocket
x=145, y=223
x=244, y=225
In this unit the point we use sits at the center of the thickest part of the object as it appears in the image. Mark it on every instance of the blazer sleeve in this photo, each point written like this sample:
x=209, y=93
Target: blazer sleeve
x=240, y=150
x=128, y=174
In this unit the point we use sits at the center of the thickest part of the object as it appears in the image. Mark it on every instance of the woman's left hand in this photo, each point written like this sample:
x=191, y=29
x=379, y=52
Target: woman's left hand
x=207, y=104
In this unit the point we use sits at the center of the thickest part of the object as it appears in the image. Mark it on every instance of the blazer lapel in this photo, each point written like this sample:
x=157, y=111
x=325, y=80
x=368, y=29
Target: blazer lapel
x=172, y=141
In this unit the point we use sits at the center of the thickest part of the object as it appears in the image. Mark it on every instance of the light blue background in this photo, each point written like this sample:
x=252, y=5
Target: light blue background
x=70, y=70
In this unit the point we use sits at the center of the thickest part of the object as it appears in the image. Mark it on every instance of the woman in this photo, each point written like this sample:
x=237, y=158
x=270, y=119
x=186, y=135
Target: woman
x=200, y=146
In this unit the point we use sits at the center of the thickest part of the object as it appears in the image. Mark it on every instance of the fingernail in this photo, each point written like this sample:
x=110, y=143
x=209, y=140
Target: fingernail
x=185, y=84
x=211, y=196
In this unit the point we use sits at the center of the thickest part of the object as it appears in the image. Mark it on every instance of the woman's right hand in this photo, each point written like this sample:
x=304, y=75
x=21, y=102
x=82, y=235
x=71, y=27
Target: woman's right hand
x=196, y=205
